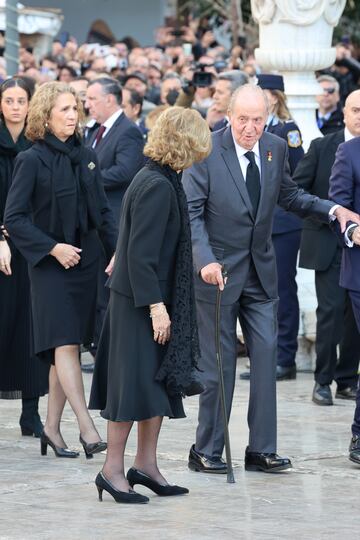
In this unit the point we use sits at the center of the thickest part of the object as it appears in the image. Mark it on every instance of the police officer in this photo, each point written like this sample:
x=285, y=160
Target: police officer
x=286, y=231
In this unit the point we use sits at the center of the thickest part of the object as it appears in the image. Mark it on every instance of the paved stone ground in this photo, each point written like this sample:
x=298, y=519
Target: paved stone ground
x=45, y=498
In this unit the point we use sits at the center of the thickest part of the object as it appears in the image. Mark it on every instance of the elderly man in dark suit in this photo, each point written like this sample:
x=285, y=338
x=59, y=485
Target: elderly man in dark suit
x=119, y=145
x=232, y=197
x=320, y=251
x=345, y=190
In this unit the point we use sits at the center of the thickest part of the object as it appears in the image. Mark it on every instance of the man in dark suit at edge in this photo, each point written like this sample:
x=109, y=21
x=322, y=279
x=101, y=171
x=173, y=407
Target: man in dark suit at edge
x=320, y=251
x=232, y=196
x=345, y=190
x=119, y=145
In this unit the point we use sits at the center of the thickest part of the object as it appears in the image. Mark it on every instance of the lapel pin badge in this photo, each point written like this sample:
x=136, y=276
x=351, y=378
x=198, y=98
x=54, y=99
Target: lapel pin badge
x=269, y=155
x=91, y=165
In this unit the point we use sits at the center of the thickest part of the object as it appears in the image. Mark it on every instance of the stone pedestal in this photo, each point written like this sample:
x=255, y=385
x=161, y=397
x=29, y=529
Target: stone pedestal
x=295, y=40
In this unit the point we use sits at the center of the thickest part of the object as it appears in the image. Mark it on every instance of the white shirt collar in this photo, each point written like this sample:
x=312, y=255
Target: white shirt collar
x=348, y=136
x=111, y=120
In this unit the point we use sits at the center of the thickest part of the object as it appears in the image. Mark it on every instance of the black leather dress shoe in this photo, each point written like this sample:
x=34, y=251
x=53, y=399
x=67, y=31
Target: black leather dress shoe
x=269, y=463
x=88, y=368
x=200, y=463
x=346, y=393
x=322, y=394
x=285, y=373
x=354, y=449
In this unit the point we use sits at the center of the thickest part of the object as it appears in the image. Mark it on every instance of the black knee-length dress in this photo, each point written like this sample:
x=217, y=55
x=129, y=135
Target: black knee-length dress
x=124, y=384
x=63, y=301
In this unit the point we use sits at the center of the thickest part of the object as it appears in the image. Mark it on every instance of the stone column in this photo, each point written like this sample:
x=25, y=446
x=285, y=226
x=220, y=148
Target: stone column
x=295, y=40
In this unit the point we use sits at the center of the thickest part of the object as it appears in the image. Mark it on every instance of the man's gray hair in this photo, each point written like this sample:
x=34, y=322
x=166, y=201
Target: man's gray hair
x=109, y=86
x=330, y=79
x=235, y=77
x=171, y=75
x=249, y=88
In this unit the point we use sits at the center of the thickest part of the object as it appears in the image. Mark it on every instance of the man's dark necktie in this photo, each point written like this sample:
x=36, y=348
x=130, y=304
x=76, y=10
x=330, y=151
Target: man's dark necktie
x=99, y=134
x=253, y=181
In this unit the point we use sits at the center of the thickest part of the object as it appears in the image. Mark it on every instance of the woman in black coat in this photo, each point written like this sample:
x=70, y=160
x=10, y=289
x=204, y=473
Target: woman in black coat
x=149, y=347
x=55, y=211
x=21, y=374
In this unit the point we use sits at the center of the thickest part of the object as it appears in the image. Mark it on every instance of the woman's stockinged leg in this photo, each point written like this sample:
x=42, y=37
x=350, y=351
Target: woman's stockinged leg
x=145, y=459
x=56, y=403
x=113, y=469
x=69, y=374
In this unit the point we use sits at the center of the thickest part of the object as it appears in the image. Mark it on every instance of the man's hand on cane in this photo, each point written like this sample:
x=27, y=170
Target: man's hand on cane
x=212, y=274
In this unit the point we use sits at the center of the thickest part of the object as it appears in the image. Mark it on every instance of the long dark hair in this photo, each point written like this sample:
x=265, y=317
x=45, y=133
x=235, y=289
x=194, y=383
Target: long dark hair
x=20, y=82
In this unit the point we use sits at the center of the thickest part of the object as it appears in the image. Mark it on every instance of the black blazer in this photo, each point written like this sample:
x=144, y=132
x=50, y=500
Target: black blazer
x=28, y=208
x=148, y=239
x=318, y=242
x=120, y=155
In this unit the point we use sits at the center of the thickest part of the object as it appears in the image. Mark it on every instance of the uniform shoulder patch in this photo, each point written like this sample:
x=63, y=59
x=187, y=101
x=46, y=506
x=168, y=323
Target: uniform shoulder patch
x=294, y=138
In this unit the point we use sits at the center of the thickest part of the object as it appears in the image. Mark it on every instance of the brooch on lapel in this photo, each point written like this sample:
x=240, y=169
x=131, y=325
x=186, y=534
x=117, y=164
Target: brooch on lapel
x=91, y=165
x=269, y=155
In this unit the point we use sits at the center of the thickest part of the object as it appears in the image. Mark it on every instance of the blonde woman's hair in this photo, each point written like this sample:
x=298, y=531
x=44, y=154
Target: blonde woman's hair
x=281, y=108
x=179, y=138
x=41, y=105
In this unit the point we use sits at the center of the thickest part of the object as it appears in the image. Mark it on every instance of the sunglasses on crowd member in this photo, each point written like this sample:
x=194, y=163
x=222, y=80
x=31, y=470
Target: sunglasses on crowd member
x=329, y=91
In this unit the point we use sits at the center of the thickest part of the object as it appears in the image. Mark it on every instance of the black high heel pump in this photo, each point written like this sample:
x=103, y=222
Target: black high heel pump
x=59, y=452
x=129, y=497
x=92, y=448
x=134, y=476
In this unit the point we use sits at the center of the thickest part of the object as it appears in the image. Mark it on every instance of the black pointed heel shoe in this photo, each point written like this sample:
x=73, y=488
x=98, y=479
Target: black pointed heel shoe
x=92, y=448
x=128, y=497
x=59, y=452
x=134, y=476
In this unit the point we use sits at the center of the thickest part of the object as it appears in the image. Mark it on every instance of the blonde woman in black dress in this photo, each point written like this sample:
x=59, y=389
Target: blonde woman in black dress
x=55, y=213
x=149, y=347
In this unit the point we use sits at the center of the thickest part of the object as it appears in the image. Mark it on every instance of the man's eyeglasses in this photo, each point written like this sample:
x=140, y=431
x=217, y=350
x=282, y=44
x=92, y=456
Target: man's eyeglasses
x=329, y=91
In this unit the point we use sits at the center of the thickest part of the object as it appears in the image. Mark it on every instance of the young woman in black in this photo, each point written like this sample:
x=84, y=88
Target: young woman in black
x=21, y=374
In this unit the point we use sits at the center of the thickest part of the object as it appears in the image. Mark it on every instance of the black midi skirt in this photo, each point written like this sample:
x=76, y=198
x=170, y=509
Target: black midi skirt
x=124, y=386
x=63, y=305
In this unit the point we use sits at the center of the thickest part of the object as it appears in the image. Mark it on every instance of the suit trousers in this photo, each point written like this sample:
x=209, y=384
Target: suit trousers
x=258, y=317
x=355, y=300
x=286, y=247
x=335, y=324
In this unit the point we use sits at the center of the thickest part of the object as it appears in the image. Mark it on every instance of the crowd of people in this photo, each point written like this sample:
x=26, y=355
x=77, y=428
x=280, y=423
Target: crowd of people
x=129, y=178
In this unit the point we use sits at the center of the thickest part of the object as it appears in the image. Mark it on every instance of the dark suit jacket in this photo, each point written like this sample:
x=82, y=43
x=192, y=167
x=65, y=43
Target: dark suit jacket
x=28, y=208
x=223, y=225
x=334, y=123
x=148, y=238
x=120, y=154
x=345, y=190
x=318, y=243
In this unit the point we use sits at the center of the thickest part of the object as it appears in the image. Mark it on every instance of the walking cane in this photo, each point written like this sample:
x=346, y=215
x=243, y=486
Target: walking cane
x=230, y=473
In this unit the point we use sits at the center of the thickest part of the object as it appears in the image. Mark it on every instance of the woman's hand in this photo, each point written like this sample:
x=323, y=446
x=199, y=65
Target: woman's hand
x=161, y=323
x=66, y=254
x=110, y=267
x=5, y=258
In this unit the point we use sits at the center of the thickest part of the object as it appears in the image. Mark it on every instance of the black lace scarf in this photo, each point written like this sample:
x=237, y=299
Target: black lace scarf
x=183, y=352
